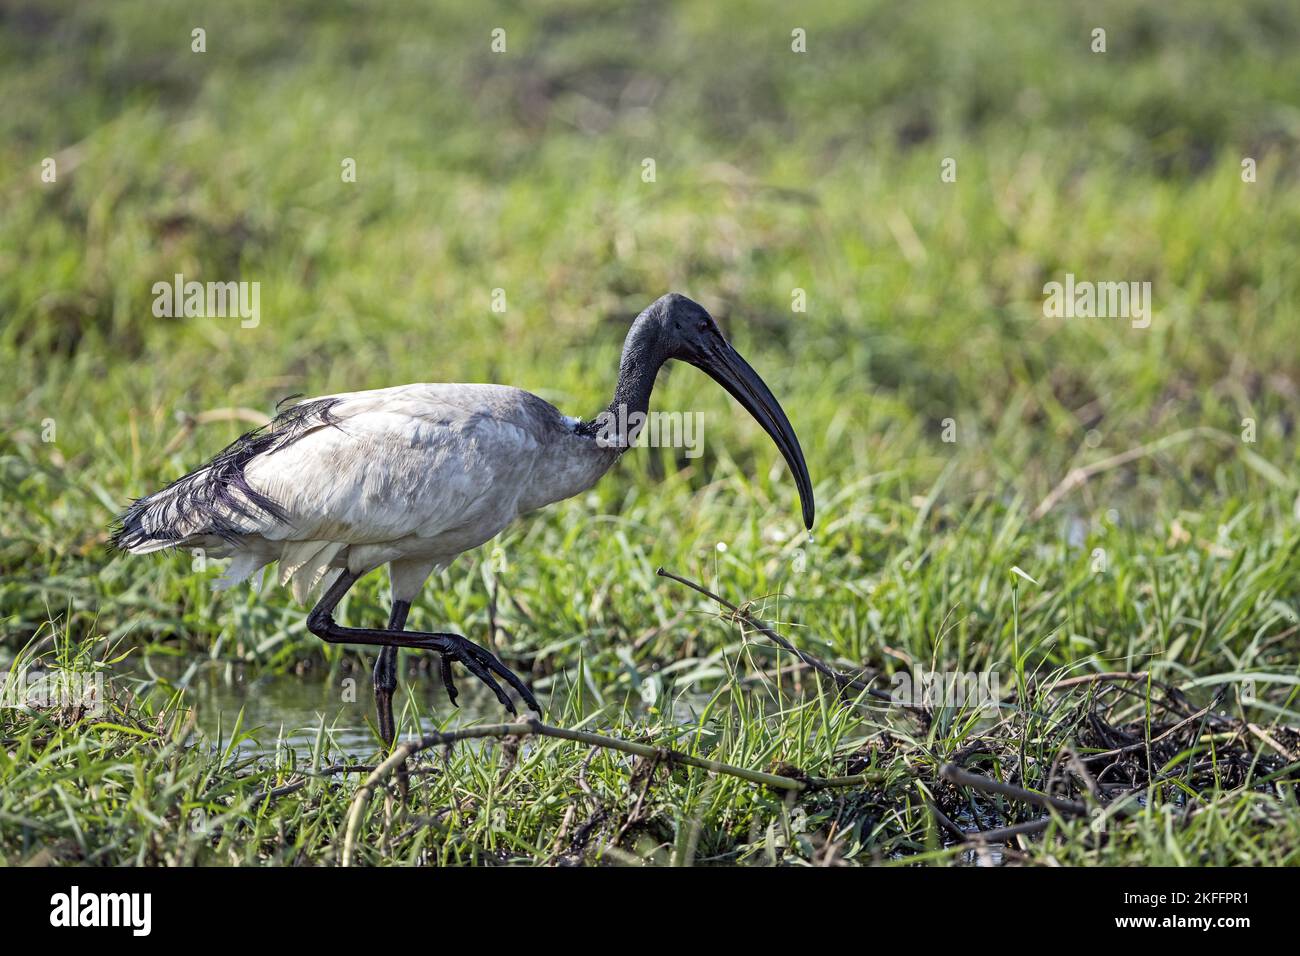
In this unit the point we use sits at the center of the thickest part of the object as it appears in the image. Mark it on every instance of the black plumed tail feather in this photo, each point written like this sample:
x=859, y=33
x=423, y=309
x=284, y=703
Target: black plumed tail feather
x=210, y=500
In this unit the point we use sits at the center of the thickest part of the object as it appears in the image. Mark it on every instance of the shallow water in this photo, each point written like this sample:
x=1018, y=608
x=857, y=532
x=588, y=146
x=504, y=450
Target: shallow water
x=289, y=710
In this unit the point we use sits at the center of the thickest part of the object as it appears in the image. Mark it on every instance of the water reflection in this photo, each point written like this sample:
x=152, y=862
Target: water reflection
x=289, y=710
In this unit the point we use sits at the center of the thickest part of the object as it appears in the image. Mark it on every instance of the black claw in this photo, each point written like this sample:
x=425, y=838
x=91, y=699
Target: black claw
x=510, y=677
x=444, y=667
x=476, y=668
x=482, y=664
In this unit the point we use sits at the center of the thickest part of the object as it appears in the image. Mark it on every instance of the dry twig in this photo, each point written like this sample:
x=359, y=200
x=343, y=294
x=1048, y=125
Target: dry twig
x=531, y=726
x=842, y=681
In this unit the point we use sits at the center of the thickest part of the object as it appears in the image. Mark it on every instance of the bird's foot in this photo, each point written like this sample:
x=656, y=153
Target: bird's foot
x=384, y=717
x=482, y=663
x=385, y=682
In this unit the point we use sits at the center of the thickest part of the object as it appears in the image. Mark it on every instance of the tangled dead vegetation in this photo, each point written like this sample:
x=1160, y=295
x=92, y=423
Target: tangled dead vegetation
x=1097, y=748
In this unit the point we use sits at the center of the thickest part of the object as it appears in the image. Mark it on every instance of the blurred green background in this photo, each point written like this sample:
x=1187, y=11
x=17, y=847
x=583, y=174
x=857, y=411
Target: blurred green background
x=775, y=170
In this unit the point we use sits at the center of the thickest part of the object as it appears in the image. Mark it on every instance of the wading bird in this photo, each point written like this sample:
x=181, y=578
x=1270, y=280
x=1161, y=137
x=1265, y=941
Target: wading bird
x=412, y=476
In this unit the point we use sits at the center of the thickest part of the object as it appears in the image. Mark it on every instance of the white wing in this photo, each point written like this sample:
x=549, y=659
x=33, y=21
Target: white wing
x=420, y=460
x=358, y=468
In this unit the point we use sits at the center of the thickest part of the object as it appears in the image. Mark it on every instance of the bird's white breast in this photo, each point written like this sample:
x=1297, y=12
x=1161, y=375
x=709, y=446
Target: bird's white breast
x=423, y=471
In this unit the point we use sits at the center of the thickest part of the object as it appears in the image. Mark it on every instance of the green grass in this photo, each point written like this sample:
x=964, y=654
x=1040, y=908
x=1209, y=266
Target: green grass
x=775, y=171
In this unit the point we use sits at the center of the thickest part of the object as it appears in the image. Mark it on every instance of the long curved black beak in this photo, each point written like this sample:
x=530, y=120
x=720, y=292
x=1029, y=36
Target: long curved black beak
x=724, y=365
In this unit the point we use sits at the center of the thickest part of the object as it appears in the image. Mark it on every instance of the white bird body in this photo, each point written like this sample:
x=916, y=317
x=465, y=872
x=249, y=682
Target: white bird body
x=409, y=476
x=413, y=476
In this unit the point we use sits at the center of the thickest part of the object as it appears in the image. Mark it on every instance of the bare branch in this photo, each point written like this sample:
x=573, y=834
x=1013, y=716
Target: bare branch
x=841, y=680
x=531, y=726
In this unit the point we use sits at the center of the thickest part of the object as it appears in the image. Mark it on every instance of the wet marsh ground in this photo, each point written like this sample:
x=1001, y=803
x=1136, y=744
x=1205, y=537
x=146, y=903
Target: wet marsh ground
x=1000, y=492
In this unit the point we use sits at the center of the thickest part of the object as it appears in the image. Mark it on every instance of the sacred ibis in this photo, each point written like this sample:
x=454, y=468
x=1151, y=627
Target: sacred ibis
x=412, y=476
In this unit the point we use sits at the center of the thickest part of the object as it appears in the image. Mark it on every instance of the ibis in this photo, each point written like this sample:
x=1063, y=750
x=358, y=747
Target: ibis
x=412, y=476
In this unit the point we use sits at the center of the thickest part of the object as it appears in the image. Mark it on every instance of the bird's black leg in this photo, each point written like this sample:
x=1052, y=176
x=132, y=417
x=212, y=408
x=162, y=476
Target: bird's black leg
x=385, y=677
x=477, y=660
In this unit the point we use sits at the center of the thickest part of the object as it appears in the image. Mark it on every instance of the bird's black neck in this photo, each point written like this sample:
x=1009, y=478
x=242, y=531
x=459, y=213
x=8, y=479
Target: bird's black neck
x=643, y=355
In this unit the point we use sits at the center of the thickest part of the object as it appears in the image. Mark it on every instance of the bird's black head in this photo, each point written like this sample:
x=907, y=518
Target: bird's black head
x=683, y=328
x=675, y=327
